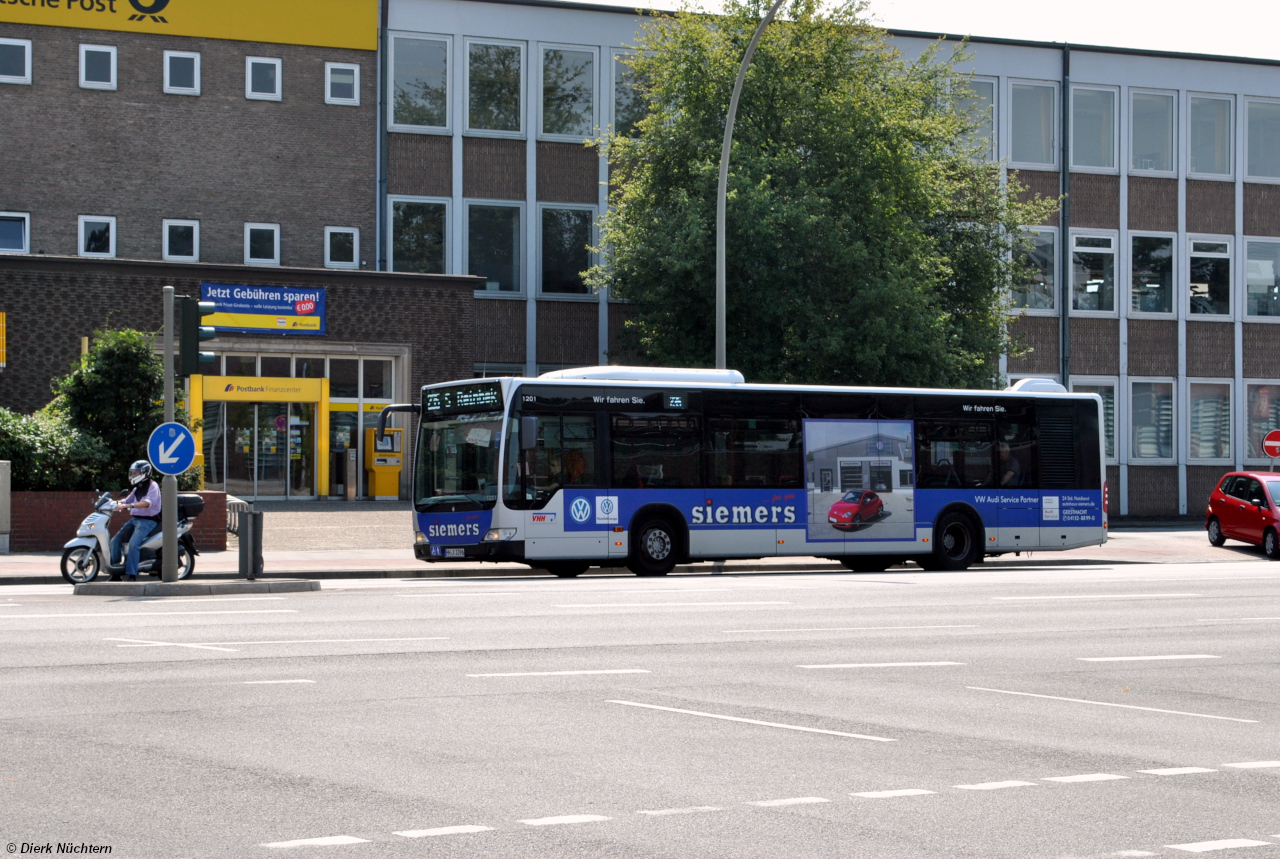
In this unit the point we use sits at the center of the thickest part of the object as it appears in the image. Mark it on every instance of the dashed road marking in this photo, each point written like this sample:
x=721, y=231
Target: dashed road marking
x=664, y=604
x=889, y=794
x=855, y=628
x=755, y=722
x=1254, y=765
x=693, y=809
x=881, y=665
x=1101, y=597
x=995, y=785
x=564, y=673
x=442, y=830
x=1178, y=771
x=1113, y=704
x=1144, y=658
x=330, y=841
x=273, y=682
x=1225, y=844
x=138, y=642
x=797, y=800
x=1072, y=779
x=153, y=613
x=565, y=819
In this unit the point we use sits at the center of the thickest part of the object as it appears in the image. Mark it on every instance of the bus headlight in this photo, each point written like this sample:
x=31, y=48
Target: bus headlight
x=498, y=535
x=419, y=537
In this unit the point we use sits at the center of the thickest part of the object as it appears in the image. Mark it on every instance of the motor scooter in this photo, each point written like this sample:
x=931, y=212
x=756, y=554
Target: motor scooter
x=90, y=552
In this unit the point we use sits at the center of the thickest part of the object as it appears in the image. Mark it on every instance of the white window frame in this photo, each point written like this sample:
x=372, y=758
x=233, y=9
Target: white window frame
x=1115, y=129
x=592, y=258
x=355, y=247
x=115, y=72
x=1057, y=280
x=1229, y=459
x=1229, y=256
x=523, y=232
x=26, y=231
x=1244, y=283
x=1261, y=180
x=449, y=75
x=1055, y=143
x=1243, y=408
x=164, y=239
x=278, y=95
x=543, y=47
x=328, y=84
x=24, y=78
x=1118, y=292
x=447, y=202
x=995, y=113
x=1128, y=274
x=521, y=133
x=1173, y=133
x=261, y=226
x=1119, y=424
x=176, y=90
x=81, y=221
x=1175, y=424
x=1230, y=175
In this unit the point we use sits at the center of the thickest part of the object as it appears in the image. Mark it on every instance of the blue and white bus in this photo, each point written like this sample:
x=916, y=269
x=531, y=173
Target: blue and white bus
x=651, y=467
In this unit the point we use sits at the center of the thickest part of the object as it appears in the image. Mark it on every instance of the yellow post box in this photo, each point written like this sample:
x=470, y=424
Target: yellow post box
x=382, y=463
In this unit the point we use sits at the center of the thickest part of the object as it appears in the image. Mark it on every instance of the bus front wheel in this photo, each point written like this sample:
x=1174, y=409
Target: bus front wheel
x=653, y=548
x=566, y=569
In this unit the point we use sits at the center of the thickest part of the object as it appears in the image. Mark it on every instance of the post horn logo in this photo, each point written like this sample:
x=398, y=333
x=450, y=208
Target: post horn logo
x=150, y=10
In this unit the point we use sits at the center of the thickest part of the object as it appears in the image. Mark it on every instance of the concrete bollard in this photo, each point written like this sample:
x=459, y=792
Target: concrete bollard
x=6, y=501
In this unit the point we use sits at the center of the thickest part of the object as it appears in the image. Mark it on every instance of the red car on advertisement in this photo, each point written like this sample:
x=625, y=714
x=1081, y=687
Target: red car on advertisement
x=1244, y=507
x=856, y=507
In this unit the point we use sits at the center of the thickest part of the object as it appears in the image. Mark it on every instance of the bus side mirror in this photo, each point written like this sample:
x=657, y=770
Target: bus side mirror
x=528, y=433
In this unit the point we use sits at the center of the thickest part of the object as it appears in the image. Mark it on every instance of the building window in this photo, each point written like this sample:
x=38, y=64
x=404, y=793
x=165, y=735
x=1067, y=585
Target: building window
x=1210, y=135
x=262, y=78
x=1151, y=286
x=1262, y=279
x=341, y=247
x=1039, y=258
x=568, y=92
x=1209, y=431
x=262, y=244
x=1093, y=128
x=420, y=68
x=15, y=61
x=1151, y=416
x=15, y=233
x=1093, y=274
x=1264, y=416
x=629, y=106
x=376, y=379
x=182, y=240
x=977, y=103
x=1264, y=139
x=495, y=78
x=341, y=83
x=97, y=67
x=493, y=245
x=1032, y=124
x=97, y=236
x=1107, y=391
x=418, y=235
x=1151, y=131
x=566, y=237
x=1210, y=271
x=181, y=73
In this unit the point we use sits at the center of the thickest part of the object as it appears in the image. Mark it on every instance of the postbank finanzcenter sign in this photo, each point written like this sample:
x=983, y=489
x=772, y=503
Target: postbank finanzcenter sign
x=321, y=23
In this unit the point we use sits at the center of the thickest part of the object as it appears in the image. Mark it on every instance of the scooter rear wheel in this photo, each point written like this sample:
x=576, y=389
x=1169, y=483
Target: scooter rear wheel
x=186, y=562
x=80, y=564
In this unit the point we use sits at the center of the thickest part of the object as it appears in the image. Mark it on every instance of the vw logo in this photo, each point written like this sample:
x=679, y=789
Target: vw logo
x=606, y=506
x=580, y=510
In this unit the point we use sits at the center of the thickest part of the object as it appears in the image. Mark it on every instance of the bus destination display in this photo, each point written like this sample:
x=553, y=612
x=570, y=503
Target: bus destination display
x=465, y=398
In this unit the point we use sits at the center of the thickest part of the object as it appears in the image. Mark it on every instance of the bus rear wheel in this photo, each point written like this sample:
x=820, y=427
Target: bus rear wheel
x=955, y=542
x=654, y=547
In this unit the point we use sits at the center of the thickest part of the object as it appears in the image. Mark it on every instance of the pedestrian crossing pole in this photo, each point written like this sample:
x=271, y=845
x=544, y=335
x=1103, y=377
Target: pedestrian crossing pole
x=169, y=486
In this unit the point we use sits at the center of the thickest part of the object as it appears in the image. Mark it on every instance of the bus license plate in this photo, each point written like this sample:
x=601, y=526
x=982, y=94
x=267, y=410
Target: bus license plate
x=455, y=553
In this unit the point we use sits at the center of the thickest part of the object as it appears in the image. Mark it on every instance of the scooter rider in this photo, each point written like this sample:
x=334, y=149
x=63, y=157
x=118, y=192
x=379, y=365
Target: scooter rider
x=143, y=504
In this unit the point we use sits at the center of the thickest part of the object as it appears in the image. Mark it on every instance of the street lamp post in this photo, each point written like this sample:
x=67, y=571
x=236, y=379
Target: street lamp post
x=723, y=188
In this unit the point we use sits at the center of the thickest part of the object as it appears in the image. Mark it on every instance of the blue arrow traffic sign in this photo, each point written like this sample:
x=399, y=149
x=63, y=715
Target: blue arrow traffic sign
x=171, y=448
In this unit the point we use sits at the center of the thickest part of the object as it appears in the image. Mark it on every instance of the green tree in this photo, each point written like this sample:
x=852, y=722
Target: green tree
x=866, y=242
x=49, y=454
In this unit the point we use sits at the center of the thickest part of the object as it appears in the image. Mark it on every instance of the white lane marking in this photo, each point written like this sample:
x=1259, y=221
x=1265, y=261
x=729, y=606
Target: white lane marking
x=1102, y=597
x=855, y=628
x=881, y=665
x=330, y=841
x=693, y=809
x=296, y=641
x=754, y=722
x=797, y=800
x=154, y=613
x=138, y=642
x=168, y=600
x=889, y=794
x=1178, y=771
x=10, y=604
x=467, y=594
x=1144, y=658
x=568, y=818
x=1235, y=620
x=1225, y=844
x=1112, y=704
x=995, y=785
x=273, y=682
x=442, y=830
x=1254, y=765
x=564, y=673
x=661, y=604
x=1071, y=779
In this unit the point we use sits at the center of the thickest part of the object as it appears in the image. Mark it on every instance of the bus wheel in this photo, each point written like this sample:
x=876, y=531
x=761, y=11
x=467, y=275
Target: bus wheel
x=955, y=545
x=653, y=548
x=566, y=569
x=868, y=563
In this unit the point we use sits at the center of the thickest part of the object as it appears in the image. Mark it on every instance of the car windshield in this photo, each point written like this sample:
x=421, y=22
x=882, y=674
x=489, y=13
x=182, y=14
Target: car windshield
x=852, y=496
x=457, y=463
x=1273, y=487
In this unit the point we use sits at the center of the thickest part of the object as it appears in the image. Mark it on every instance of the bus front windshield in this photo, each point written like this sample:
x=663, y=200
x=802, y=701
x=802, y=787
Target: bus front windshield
x=457, y=463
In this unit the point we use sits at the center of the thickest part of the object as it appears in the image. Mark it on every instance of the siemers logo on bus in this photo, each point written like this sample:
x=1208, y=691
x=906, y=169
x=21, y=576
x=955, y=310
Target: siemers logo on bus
x=466, y=529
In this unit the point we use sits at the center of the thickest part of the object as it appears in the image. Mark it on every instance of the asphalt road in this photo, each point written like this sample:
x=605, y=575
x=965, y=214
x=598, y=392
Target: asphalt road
x=1040, y=711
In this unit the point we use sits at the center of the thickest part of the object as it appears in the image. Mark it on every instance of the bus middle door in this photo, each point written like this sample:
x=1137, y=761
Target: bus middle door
x=576, y=517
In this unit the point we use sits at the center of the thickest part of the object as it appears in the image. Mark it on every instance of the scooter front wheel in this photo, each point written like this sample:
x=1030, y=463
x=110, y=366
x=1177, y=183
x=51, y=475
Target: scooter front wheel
x=80, y=564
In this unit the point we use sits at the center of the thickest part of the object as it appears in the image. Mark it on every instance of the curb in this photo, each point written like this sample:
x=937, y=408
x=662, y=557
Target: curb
x=173, y=589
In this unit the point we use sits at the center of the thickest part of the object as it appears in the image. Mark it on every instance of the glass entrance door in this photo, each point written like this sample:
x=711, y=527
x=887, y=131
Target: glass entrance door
x=267, y=450
x=273, y=456
x=302, y=450
x=241, y=425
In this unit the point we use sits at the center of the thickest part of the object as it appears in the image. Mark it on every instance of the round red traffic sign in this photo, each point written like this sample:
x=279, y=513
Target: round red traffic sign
x=1271, y=444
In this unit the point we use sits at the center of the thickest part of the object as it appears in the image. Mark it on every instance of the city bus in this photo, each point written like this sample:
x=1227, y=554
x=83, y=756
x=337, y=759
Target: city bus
x=649, y=467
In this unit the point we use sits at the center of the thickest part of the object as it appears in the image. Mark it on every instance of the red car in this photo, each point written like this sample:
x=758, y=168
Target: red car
x=1243, y=507
x=857, y=506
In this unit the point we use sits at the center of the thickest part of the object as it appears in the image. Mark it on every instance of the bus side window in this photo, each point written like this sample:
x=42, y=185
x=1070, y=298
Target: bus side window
x=955, y=454
x=746, y=452
x=1017, y=447
x=655, y=451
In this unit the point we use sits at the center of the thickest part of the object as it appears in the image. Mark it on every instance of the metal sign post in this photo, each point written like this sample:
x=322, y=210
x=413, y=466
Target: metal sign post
x=169, y=486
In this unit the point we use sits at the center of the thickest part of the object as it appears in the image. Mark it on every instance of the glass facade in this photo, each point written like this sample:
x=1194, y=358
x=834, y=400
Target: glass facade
x=1151, y=420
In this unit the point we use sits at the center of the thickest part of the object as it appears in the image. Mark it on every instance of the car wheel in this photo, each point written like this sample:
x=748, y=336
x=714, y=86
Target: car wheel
x=955, y=543
x=654, y=547
x=1271, y=544
x=856, y=522
x=1214, y=528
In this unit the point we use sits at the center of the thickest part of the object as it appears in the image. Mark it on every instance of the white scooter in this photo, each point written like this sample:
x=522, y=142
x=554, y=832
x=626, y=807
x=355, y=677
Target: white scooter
x=90, y=552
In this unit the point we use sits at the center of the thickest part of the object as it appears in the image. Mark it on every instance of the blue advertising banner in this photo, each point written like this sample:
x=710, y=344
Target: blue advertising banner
x=260, y=309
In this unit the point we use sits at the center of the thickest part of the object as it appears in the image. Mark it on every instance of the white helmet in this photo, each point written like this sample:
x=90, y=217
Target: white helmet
x=139, y=471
